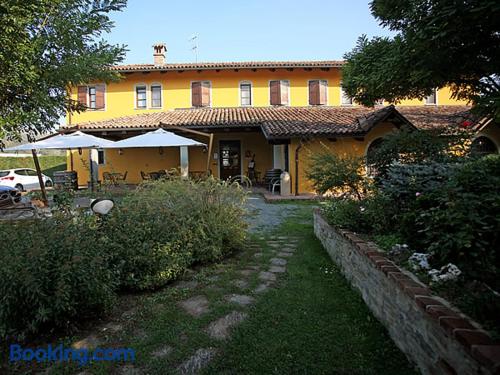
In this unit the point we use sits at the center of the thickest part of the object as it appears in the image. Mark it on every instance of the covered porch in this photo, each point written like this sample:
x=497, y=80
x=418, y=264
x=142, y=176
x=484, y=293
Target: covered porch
x=234, y=153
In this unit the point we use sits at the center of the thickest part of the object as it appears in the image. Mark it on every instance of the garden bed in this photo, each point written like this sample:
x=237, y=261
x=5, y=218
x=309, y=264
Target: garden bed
x=438, y=338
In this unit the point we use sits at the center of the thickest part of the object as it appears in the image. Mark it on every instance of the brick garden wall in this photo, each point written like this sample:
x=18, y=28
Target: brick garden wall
x=436, y=338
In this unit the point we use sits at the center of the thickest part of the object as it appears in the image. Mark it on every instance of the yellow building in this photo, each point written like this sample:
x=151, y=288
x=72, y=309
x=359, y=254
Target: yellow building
x=270, y=115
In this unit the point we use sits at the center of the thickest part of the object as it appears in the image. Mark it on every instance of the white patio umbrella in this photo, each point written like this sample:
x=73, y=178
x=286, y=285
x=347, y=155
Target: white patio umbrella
x=162, y=138
x=71, y=141
x=157, y=138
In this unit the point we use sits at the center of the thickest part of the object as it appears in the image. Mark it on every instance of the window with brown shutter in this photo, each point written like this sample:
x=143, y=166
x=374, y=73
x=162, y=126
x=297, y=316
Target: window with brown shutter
x=196, y=94
x=323, y=92
x=205, y=94
x=317, y=92
x=200, y=94
x=82, y=95
x=284, y=91
x=99, y=97
x=314, y=92
x=275, y=89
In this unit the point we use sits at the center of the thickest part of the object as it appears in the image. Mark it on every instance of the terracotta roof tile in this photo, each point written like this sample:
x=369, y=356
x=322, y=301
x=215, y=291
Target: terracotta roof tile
x=283, y=122
x=229, y=65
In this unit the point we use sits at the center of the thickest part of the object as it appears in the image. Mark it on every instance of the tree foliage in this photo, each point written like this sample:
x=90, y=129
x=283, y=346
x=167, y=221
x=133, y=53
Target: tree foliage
x=438, y=43
x=46, y=47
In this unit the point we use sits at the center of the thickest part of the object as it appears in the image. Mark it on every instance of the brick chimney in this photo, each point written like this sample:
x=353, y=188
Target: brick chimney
x=159, y=51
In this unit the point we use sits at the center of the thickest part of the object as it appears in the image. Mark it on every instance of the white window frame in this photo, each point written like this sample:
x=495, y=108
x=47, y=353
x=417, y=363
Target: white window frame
x=191, y=92
x=136, y=86
x=435, y=98
x=281, y=83
x=308, y=94
x=155, y=84
x=251, y=93
x=342, y=95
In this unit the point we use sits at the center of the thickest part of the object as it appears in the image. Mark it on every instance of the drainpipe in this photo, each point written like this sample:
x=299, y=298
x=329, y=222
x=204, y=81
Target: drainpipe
x=297, y=167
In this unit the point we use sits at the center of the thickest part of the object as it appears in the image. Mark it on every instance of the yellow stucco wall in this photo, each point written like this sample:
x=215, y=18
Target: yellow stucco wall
x=341, y=146
x=176, y=90
x=133, y=161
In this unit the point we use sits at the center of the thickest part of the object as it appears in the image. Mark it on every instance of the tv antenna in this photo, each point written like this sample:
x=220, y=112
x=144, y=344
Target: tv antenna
x=194, y=48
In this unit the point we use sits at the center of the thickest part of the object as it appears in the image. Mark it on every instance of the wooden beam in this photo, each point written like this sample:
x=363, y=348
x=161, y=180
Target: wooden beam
x=40, y=178
x=210, y=145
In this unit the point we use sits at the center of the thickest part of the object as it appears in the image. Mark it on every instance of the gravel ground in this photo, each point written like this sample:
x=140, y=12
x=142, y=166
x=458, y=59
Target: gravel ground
x=266, y=216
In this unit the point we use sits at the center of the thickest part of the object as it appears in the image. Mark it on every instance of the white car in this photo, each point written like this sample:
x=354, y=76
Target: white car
x=23, y=179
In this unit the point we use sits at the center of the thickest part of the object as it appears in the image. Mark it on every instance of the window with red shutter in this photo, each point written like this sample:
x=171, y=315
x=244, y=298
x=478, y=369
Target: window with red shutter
x=99, y=97
x=205, y=94
x=318, y=92
x=274, y=92
x=196, y=94
x=323, y=92
x=314, y=92
x=285, y=92
x=82, y=95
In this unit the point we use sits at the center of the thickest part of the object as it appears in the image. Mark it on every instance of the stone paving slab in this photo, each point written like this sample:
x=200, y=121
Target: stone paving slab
x=277, y=269
x=267, y=276
x=278, y=262
x=240, y=299
x=197, y=362
x=284, y=254
x=242, y=284
x=186, y=284
x=162, y=352
x=195, y=306
x=261, y=288
x=220, y=329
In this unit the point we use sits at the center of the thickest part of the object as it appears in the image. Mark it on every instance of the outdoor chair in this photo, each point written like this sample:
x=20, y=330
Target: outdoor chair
x=272, y=179
x=145, y=176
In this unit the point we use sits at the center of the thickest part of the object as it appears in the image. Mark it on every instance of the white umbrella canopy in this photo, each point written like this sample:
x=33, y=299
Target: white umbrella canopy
x=157, y=138
x=64, y=142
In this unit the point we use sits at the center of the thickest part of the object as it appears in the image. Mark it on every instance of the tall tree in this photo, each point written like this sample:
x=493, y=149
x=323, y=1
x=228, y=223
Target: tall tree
x=437, y=43
x=47, y=46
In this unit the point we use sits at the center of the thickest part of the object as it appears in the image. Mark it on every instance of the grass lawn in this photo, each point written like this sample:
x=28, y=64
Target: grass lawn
x=49, y=164
x=309, y=321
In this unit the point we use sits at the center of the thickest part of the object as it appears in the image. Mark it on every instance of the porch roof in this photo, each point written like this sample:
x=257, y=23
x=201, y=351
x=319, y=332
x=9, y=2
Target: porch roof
x=286, y=122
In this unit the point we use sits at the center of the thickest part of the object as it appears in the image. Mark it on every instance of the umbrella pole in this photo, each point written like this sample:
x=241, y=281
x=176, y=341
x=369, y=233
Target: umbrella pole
x=40, y=178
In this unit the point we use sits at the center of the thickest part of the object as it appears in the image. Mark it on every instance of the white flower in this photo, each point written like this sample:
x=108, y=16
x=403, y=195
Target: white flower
x=419, y=261
x=446, y=273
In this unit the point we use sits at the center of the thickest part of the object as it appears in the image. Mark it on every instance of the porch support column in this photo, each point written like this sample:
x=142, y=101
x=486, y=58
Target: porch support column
x=184, y=161
x=94, y=168
x=278, y=157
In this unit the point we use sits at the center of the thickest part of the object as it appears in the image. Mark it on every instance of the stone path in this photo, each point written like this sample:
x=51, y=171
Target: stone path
x=266, y=273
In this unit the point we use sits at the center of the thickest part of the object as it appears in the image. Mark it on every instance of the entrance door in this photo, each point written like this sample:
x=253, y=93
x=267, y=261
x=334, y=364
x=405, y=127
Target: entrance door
x=230, y=159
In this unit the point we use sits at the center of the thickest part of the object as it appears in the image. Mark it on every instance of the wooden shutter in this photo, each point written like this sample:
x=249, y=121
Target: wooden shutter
x=275, y=89
x=314, y=96
x=196, y=94
x=82, y=95
x=284, y=89
x=323, y=87
x=99, y=97
x=205, y=94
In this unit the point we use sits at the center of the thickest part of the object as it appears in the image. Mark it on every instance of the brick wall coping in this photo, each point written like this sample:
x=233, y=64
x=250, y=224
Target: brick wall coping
x=477, y=342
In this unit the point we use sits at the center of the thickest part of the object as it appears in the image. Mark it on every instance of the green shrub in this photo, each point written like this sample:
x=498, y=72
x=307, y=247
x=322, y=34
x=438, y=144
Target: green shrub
x=337, y=174
x=346, y=213
x=461, y=221
x=164, y=226
x=58, y=270
x=52, y=271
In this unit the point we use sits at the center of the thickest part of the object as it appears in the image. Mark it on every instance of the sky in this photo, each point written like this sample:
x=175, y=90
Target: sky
x=235, y=30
